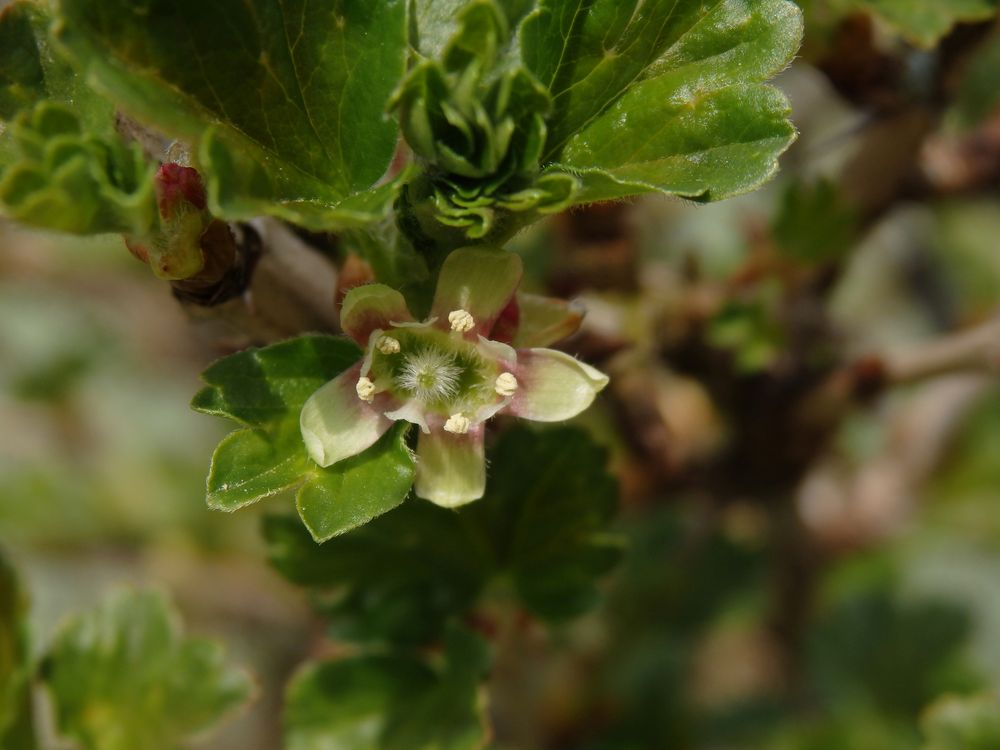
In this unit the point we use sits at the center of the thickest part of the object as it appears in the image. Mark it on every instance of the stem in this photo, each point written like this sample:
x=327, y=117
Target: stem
x=277, y=286
x=976, y=350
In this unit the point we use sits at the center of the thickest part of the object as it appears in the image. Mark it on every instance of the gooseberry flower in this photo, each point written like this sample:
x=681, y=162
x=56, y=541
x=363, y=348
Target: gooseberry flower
x=477, y=355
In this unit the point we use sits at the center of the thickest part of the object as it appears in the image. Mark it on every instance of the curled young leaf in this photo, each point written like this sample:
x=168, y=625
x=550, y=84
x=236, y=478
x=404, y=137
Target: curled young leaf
x=478, y=119
x=64, y=178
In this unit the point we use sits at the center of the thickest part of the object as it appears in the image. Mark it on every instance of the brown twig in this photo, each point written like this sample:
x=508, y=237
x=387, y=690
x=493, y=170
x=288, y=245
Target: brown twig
x=285, y=289
x=976, y=350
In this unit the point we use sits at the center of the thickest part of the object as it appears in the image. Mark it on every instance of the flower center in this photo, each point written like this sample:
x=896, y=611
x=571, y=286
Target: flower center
x=430, y=375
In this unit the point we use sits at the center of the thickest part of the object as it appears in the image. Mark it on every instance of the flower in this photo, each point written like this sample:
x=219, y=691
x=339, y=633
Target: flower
x=446, y=375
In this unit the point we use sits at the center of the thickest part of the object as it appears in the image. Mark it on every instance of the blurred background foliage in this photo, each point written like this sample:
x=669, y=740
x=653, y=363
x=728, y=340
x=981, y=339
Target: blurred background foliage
x=810, y=509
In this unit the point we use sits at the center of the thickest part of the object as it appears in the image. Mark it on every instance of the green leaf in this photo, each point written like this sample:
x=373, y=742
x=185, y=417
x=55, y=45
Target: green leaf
x=63, y=178
x=124, y=677
x=62, y=165
x=390, y=702
x=547, y=509
x=970, y=723
x=354, y=491
x=344, y=705
x=265, y=389
x=664, y=96
x=22, y=75
x=434, y=22
x=284, y=99
x=978, y=96
x=814, y=223
x=607, y=98
x=401, y=578
x=31, y=71
x=895, y=655
x=924, y=22
x=16, y=730
x=451, y=715
x=391, y=256
x=845, y=729
x=477, y=118
x=259, y=387
x=750, y=328
x=250, y=465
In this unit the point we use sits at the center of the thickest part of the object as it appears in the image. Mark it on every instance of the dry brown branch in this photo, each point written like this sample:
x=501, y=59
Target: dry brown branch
x=976, y=350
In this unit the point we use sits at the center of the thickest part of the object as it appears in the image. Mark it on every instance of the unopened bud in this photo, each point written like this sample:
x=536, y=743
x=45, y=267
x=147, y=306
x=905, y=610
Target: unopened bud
x=177, y=189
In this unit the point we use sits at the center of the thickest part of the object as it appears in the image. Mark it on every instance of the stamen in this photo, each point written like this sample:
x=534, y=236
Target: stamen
x=387, y=345
x=365, y=389
x=458, y=424
x=461, y=321
x=506, y=385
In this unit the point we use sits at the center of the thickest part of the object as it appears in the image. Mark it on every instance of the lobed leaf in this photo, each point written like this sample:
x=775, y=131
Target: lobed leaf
x=124, y=677
x=665, y=96
x=257, y=387
x=251, y=465
x=893, y=653
x=546, y=511
x=963, y=723
x=62, y=165
x=16, y=727
x=31, y=71
x=390, y=702
x=814, y=222
x=977, y=97
x=661, y=96
x=353, y=492
x=402, y=578
x=264, y=390
x=22, y=75
x=925, y=22
x=284, y=98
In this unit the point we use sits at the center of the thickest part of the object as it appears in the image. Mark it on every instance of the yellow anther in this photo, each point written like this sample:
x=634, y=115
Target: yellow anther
x=506, y=385
x=365, y=389
x=458, y=424
x=388, y=345
x=461, y=321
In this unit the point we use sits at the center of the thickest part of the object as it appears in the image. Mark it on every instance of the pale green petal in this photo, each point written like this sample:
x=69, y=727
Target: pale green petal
x=481, y=281
x=369, y=307
x=336, y=424
x=498, y=351
x=366, y=363
x=553, y=386
x=412, y=411
x=488, y=411
x=451, y=469
x=543, y=320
